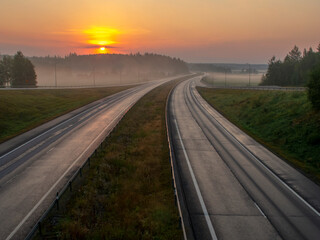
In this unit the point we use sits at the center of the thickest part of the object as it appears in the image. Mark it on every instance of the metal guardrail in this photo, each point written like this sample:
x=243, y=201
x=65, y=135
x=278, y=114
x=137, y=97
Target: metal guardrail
x=68, y=186
x=176, y=182
x=174, y=185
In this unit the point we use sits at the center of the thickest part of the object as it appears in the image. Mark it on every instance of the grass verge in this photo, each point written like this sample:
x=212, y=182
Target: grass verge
x=282, y=121
x=22, y=110
x=127, y=193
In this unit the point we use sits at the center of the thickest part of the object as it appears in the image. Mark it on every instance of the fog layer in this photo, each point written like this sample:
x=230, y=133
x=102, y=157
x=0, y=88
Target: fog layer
x=104, y=69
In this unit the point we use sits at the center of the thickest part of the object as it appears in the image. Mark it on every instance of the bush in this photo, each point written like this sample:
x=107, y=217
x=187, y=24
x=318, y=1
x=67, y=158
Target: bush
x=314, y=88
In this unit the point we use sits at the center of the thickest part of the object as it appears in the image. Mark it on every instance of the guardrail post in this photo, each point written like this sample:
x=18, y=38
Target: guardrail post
x=39, y=227
x=81, y=172
x=175, y=197
x=57, y=201
x=70, y=186
x=89, y=162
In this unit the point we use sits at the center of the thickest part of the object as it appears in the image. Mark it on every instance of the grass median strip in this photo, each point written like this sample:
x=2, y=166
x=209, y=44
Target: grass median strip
x=283, y=121
x=127, y=193
x=22, y=110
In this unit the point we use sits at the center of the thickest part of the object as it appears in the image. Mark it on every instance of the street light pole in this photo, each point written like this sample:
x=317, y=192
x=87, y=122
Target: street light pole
x=94, y=76
x=225, y=77
x=249, y=75
x=55, y=71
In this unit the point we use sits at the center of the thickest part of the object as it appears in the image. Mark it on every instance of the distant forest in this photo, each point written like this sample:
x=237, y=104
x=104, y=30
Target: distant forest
x=294, y=70
x=105, y=69
x=227, y=67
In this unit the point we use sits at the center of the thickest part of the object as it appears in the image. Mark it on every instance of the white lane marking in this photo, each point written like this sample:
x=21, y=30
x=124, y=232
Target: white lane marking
x=61, y=177
x=67, y=120
x=264, y=166
x=50, y=150
x=195, y=183
x=260, y=210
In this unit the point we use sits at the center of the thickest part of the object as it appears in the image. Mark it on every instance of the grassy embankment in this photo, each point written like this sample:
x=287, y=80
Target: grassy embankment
x=127, y=193
x=283, y=121
x=22, y=110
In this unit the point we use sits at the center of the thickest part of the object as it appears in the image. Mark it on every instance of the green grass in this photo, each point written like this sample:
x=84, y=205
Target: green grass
x=127, y=193
x=283, y=121
x=22, y=110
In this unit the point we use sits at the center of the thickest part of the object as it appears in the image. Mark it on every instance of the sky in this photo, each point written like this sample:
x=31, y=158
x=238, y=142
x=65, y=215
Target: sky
x=229, y=31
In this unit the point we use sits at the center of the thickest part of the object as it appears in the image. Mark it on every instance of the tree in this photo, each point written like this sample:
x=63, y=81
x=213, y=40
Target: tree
x=294, y=70
x=294, y=55
x=5, y=71
x=23, y=73
x=274, y=73
x=314, y=88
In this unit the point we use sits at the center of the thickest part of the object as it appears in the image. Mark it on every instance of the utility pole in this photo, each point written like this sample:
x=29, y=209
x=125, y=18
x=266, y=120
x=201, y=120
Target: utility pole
x=249, y=75
x=212, y=79
x=55, y=71
x=225, y=77
x=94, y=61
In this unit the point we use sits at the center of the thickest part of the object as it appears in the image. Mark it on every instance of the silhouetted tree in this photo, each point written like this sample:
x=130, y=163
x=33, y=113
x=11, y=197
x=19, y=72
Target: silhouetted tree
x=23, y=73
x=294, y=55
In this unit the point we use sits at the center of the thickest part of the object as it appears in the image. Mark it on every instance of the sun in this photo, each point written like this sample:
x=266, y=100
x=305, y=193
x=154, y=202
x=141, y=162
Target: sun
x=101, y=50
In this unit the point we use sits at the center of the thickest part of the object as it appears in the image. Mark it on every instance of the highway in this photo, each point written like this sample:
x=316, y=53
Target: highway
x=228, y=185
x=36, y=165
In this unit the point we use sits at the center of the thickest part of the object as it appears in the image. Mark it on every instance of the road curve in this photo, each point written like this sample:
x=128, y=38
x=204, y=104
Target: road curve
x=231, y=187
x=36, y=165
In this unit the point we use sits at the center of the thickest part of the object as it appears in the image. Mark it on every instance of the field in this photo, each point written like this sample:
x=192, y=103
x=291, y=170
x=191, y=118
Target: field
x=22, y=110
x=127, y=193
x=233, y=79
x=283, y=121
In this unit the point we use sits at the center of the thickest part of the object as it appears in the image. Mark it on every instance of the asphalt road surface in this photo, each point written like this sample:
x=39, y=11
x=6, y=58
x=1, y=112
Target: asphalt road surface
x=231, y=187
x=37, y=164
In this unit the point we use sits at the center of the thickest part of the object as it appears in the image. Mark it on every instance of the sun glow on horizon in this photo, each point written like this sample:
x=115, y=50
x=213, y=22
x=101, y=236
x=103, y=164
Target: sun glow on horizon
x=102, y=36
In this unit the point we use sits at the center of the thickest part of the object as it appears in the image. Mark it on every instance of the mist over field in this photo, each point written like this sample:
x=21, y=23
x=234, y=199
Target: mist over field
x=234, y=79
x=104, y=69
x=225, y=74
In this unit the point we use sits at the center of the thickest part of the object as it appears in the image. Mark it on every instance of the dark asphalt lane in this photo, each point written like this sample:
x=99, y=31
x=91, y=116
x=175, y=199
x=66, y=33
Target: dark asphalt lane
x=232, y=187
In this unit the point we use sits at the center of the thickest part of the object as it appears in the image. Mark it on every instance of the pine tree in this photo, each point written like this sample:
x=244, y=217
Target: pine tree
x=294, y=55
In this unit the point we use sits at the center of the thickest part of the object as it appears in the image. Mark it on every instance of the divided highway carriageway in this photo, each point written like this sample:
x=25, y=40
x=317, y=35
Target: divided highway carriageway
x=229, y=186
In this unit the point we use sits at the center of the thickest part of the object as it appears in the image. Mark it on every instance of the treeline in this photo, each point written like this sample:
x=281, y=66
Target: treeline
x=107, y=68
x=17, y=71
x=152, y=63
x=294, y=70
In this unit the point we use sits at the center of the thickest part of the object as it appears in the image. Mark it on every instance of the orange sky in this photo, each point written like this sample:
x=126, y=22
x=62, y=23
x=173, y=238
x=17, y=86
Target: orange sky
x=194, y=30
